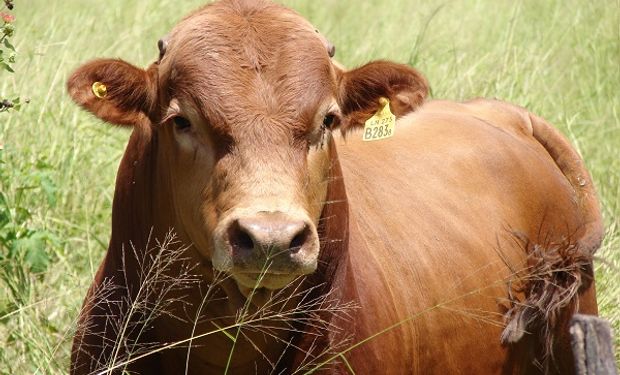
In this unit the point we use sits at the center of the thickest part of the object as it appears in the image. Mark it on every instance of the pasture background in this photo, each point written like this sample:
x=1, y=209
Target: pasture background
x=559, y=58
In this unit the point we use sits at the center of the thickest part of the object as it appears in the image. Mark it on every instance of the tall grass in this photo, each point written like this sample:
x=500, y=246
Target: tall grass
x=558, y=58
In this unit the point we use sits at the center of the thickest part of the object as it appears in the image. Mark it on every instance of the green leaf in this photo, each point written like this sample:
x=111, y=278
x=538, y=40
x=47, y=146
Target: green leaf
x=4, y=218
x=220, y=329
x=50, y=189
x=22, y=214
x=7, y=242
x=49, y=325
x=32, y=250
x=8, y=44
x=4, y=205
x=42, y=165
x=5, y=212
x=6, y=66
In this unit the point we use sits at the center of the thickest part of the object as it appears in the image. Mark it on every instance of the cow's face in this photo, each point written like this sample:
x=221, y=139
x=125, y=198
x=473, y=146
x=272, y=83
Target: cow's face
x=244, y=100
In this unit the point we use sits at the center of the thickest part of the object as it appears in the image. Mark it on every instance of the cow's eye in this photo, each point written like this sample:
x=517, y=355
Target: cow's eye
x=329, y=120
x=181, y=123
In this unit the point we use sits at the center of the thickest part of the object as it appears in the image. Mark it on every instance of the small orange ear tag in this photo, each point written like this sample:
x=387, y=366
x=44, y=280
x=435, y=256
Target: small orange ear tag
x=100, y=90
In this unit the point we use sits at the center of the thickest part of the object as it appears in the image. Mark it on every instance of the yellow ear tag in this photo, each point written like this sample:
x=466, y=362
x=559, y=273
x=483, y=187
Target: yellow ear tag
x=100, y=90
x=381, y=125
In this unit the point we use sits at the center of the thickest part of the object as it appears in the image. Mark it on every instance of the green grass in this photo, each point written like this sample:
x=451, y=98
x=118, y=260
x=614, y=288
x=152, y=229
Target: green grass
x=561, y=59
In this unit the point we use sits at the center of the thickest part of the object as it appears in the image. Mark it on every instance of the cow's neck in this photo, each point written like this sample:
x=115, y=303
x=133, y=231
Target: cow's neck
x=333, y=275
x=333, y=230
x=133, y=203
x=117, y=280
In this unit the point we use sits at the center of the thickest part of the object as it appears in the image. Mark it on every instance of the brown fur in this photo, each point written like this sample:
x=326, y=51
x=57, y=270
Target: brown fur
x=414, y=247
x=470, y=169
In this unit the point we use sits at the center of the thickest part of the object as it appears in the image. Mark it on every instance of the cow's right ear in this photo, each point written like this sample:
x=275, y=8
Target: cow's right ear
x=114, y=90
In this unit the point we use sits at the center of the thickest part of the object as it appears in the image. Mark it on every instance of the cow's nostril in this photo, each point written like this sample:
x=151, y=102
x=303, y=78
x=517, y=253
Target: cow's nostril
x=239, y=238
x=299, y=240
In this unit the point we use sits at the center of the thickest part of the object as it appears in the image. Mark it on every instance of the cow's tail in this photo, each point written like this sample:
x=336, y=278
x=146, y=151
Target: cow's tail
x=573, y=167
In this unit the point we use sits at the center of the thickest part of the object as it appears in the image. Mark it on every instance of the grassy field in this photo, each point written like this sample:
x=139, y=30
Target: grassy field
x=559, y=58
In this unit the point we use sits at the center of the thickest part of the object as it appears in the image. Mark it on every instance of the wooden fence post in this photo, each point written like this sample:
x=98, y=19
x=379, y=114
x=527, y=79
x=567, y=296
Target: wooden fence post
x=592, y=344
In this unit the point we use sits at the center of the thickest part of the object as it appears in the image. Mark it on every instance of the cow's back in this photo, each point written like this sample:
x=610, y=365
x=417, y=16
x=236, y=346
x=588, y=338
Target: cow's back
x=442, y=217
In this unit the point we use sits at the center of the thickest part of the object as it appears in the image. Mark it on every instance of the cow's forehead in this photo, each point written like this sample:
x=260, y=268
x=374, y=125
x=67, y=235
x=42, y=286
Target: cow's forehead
x=249, y=56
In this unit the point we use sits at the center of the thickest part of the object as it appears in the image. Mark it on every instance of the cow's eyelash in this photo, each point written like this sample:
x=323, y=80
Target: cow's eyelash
x=170, y=114
x=181, y=123
x=166, y=119
x=173, y=110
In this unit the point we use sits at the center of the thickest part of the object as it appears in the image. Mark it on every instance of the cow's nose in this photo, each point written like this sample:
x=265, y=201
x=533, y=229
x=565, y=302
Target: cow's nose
x=269, y=234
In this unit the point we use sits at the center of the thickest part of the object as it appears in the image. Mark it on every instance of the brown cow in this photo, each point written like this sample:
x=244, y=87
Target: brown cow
x=462, y=244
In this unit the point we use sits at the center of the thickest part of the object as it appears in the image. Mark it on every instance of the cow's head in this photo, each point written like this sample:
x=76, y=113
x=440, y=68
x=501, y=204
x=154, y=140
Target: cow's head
x=243, y=101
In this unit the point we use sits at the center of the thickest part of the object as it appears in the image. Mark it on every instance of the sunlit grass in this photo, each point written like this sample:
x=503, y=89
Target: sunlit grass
x=560, y=59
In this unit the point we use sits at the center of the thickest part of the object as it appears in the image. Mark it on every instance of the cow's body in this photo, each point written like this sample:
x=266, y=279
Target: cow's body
x=436, y=216
x=460, y=245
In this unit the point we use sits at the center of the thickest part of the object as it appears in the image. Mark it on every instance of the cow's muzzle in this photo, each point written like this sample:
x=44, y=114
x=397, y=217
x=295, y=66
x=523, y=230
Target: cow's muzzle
x=266, y=249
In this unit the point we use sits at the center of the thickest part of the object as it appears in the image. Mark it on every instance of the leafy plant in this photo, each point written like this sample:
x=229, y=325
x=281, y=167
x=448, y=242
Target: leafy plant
x=23, y=244
x=7, y=52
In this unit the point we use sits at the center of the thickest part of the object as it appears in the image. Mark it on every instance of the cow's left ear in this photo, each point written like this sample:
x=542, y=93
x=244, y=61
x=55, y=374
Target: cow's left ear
x=361, y=90
x=114, y=90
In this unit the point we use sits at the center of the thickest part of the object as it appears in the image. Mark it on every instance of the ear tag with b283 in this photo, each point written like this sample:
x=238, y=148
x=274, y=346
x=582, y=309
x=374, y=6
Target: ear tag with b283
x=381, y=124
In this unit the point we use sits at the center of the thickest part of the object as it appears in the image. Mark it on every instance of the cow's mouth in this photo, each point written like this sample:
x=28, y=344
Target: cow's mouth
x=249, y=281
x=261, y=289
